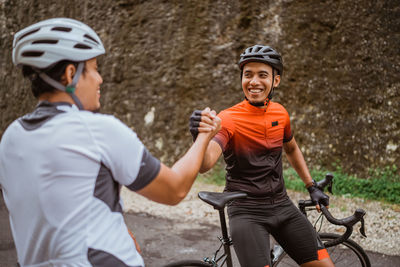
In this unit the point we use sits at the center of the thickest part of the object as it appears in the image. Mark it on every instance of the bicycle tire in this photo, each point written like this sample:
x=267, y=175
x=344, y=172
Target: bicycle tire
x=349, y=253
x=189, y=263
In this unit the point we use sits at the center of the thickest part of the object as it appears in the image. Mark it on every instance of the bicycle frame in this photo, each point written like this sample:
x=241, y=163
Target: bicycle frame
x=219, y=201
x=226, y=242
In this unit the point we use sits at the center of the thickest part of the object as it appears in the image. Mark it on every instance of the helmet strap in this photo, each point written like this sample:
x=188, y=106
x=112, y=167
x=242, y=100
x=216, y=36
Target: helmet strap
x=271, y=93
x=70, y=88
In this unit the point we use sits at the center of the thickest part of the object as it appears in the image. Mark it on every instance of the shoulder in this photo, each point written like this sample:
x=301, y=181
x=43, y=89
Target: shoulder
x=226, y=118
x=103, y=121
x=103, y=127
x=10, y=130
x=277, y=106
x=87, y=115
x=224, y=114
x=239, y=107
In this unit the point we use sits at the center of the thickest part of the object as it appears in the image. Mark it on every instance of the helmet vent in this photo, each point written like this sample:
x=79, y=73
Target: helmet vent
x=61, y=29
x=275, y=57
x=264, y=54
x=50, y=41
x=32, y=54
x=82, y=46
x=91, y=38
x=28, y=33
x=253, y=56
x=45, y=42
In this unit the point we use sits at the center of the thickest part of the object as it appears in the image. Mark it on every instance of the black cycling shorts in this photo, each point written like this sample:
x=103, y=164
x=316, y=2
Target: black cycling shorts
x=250, y=227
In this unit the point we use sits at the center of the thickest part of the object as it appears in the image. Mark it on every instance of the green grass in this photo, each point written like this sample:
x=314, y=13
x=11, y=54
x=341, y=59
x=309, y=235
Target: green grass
x=215, y=176
x=381, y=184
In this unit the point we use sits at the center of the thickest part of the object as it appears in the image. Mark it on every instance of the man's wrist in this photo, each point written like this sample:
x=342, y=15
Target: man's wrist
x=203, y=137
x=309, y=184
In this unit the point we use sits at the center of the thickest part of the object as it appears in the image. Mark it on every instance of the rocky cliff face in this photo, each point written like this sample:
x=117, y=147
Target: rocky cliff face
x=340, y=84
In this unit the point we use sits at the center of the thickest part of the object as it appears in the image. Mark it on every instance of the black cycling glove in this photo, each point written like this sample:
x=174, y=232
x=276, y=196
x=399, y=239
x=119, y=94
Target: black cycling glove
x=317, y=195
x=194, y=123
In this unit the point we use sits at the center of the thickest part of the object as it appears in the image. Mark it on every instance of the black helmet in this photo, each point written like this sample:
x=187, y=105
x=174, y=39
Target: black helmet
x=264, y=54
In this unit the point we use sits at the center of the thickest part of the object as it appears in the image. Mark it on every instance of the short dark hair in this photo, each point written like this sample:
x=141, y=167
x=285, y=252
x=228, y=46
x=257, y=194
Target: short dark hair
x=38, y=86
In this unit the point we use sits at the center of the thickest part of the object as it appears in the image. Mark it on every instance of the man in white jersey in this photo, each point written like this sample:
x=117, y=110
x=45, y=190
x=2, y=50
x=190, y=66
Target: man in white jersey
x=62, y=166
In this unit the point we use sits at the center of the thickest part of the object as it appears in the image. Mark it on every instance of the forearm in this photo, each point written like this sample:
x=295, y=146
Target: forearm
x=296, y=160
x=185, y=175
x=211, y=156
x=172, y=184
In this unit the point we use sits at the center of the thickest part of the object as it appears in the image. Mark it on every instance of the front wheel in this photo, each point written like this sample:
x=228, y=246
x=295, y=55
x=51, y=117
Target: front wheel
x=349, y=253
x=189, y=263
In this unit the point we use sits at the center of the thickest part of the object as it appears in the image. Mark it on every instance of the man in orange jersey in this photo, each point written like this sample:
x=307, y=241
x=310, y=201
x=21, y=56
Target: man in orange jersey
x=253, y=134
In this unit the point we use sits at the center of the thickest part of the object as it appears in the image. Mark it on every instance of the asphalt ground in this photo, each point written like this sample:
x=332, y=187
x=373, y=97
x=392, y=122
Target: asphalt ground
x=162, y=240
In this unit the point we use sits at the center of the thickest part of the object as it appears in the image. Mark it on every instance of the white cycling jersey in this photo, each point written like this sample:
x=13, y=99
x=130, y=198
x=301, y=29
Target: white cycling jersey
x=61, y=170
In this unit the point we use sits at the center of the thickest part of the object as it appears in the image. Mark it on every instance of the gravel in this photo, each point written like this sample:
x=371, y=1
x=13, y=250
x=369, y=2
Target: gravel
x=382, y=221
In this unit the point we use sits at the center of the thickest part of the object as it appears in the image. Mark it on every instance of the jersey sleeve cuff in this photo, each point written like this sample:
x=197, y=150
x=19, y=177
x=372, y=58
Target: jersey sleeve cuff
x=149, y=169
x=219, y=142
x=285, y=140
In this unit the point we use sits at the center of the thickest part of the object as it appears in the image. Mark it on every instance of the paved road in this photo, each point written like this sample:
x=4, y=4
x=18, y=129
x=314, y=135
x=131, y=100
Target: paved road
x=165, y=240
x=162, y=240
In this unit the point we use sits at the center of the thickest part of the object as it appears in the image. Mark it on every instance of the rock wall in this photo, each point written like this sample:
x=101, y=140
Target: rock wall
x=340, y=84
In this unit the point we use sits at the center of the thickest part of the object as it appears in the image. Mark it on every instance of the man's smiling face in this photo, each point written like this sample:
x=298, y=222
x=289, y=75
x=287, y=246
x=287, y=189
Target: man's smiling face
x=257, y=81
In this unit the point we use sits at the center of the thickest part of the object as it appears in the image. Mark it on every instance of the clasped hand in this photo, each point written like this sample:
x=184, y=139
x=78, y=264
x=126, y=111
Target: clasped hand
x=204, y=121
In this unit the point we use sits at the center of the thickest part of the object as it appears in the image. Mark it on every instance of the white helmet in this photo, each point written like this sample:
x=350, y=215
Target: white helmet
x=50, y=41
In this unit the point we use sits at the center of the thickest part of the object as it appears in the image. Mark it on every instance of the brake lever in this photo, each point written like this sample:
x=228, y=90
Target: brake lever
x=362, y=228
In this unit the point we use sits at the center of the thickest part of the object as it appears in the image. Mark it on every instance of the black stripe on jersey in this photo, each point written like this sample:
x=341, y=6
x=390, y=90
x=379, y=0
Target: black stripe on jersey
x=101, y=258
x=44, y=112
x=285, y=140
x=149, y=169
x=107, y=189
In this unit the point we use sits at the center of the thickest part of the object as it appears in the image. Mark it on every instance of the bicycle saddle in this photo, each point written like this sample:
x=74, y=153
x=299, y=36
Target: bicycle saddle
x=219, y=200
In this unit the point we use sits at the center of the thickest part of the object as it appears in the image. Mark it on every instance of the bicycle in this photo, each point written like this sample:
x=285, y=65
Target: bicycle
x=342, y=250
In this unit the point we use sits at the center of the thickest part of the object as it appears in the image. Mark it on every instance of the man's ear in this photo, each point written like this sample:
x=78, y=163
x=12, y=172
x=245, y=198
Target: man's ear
x=277, y=80
x=68, y=75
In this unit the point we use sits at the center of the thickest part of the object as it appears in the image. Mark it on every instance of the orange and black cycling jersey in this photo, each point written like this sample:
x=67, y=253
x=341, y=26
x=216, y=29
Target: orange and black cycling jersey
x=251, y=139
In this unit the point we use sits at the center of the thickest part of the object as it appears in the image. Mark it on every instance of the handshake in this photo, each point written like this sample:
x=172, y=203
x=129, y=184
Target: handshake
x=204, y=122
